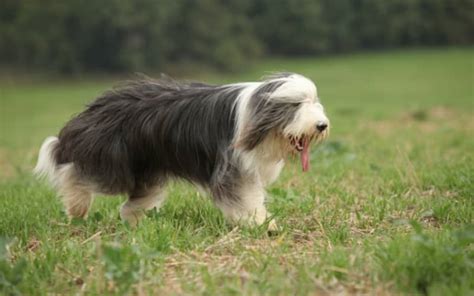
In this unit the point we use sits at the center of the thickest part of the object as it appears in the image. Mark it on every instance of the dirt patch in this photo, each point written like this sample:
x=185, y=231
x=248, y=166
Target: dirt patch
x=7, y=169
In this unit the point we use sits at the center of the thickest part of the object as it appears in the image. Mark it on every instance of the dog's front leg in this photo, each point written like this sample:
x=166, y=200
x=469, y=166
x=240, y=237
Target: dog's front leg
x=245, y=204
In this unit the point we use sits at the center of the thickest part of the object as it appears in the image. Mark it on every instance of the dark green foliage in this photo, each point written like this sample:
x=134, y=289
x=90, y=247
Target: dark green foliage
x=11, y=273
x=213, y=33
x=74, y=35
x=118, y=35
x=428, y=263
x=291, y=27
x=123, y=265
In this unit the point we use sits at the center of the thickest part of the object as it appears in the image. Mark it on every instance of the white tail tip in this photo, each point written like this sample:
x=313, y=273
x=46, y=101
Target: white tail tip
x=46, y=165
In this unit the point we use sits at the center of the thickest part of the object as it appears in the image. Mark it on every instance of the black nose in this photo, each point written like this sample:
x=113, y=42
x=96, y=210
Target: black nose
x=321, y=126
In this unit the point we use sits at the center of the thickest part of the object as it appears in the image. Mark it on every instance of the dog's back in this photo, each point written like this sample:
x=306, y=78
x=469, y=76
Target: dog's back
x=136, y=134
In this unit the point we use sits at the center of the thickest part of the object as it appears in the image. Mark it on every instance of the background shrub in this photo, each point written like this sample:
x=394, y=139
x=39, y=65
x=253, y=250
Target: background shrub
x=117, y=35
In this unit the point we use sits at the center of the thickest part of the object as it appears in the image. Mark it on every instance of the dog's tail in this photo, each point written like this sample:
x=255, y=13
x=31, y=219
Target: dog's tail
x=46, y=165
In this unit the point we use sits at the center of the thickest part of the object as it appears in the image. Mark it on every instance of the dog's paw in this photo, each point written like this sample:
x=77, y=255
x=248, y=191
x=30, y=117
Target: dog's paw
x=273, y=228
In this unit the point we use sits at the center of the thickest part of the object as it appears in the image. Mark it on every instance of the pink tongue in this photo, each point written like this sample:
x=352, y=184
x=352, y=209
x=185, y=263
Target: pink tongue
x=305, y=156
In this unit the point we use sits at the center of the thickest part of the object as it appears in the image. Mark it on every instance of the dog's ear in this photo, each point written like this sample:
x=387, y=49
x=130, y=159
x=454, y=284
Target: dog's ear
x=264, y=119
x=267, y=111
x=253, y=134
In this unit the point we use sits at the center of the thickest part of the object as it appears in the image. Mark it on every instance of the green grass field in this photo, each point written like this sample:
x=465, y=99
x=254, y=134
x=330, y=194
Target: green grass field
x=386, y=208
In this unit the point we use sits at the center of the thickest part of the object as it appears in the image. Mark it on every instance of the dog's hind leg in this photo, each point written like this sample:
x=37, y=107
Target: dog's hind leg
x=76, y=195
x=140, y=202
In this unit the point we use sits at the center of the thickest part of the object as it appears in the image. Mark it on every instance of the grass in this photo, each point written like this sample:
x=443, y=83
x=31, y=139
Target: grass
x=386, y=208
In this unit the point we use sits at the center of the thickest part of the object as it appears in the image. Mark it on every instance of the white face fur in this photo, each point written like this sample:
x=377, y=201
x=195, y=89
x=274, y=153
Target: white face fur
x=310, y=119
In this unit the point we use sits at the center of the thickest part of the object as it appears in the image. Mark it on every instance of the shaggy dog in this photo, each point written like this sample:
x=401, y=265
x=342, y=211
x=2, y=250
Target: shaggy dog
x=231, y=140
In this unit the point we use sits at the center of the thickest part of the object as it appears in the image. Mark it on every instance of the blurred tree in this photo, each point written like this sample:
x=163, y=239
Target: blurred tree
x=291, y=27
x=119, y=35
x=73, y=35
x=216, y=32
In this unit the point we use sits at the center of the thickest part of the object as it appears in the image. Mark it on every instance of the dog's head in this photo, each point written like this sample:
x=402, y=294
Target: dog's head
x=286, y=108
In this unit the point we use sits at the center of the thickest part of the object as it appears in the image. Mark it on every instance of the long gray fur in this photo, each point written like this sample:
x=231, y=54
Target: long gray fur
x=144, y=132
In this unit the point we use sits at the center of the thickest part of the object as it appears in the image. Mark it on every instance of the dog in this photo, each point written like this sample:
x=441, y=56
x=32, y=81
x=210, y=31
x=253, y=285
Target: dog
x=231, y=140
